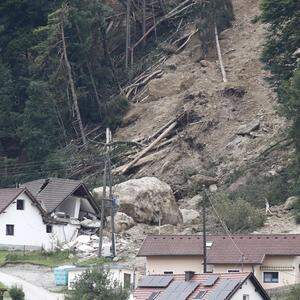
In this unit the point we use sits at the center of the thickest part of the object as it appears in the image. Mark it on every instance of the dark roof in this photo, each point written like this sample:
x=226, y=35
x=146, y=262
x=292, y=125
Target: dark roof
x=254, y=247
x=143, y=293
x=53, y=191
x=8, y=195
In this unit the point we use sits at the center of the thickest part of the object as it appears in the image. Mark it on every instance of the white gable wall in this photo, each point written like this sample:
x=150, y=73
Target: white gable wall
x=247, y=288
x=29, y=228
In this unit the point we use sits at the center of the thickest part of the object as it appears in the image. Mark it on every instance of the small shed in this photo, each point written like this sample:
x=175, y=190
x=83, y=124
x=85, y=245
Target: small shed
x=127, y=277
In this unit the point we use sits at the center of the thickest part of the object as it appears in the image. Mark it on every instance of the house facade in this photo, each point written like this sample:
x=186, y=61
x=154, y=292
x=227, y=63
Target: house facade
x=273, y=259
x=43, y=215
x=224, y=286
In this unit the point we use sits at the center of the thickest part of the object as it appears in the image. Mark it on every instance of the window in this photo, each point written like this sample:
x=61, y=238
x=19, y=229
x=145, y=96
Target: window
x=127, y=281
x=168, y=273
x=200, y=295
x=10, y=229
x=20, y=204
x=246, y=297
x=271, y=277
x=49, y=228
x=153, y=296
x=209, y=244
x=233, y=271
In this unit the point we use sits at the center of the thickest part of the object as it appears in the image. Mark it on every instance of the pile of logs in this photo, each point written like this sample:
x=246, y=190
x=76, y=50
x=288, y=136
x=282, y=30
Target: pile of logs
x=159, y=139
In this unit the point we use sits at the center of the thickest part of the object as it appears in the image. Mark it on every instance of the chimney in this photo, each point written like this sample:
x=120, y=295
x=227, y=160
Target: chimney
x=189, y=275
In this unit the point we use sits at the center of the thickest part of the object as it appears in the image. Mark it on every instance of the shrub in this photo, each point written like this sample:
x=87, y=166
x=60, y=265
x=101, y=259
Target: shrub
x=96, y=284
x=16, y=293
x=238, y=215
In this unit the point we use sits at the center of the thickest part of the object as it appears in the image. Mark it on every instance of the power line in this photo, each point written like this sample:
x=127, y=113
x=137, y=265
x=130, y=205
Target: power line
x=227, y=230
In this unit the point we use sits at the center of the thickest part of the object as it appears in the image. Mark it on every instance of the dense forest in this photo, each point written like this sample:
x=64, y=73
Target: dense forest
x=62, y=69
x=281, y=56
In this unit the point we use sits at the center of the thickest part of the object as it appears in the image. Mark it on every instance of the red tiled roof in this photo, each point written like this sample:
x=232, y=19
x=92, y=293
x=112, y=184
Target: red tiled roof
x=53, y=191
x=8, y=195
x=254, y=247
x=144, y=293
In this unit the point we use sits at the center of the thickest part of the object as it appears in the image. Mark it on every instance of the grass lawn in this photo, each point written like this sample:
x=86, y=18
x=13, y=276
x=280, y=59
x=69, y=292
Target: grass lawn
x=51, y=259
x=48, y=259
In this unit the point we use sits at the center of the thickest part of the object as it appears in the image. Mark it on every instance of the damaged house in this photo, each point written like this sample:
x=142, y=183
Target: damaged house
x=45, y=213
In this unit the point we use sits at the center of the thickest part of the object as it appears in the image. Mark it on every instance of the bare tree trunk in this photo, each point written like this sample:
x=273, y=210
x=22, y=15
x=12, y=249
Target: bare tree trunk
x=220, y=55
x=72, y=85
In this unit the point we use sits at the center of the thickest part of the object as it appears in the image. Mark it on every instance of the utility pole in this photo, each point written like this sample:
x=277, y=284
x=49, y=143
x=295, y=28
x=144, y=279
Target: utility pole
x=204, y=230
x=107, y=175
x=111, y=200
x=103, y=200
x=128, y=40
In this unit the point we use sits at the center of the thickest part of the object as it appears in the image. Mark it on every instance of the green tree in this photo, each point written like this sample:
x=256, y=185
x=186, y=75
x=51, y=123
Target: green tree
x=96, y=284
x=283, y=38
x=238, y=215
x=8, y=115
x=16, y=293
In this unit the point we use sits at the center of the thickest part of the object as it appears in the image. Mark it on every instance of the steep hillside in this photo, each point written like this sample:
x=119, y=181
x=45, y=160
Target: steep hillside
x=227, y=126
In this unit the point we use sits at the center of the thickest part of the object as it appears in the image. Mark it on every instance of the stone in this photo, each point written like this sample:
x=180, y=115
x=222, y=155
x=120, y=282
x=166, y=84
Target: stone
x=248, y=128
x=146, y=200
x=203, y=180
x=85, y=248
x=291, y=202
x=205, y=63
x=83, y=239
x=190, y=216
x=170, y=84
x=90, y=223
x=122, y=222
x=213, y=188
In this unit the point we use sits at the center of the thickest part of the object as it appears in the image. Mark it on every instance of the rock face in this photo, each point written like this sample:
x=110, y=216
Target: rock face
x=190, y=216
x=248, y=128
x=122, y=222
x=203, y=180
x=145, y=199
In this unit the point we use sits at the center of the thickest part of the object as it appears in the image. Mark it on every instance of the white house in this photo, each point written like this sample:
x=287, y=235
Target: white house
x=43, y=213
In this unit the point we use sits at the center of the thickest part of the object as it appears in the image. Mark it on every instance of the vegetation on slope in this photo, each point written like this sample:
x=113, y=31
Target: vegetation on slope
x=279, y=56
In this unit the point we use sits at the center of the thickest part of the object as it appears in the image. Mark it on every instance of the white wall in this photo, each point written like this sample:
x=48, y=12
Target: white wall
x=29, y=228
x=175, y=264
x=247, y=289
x=70, y=206
x=115, y=275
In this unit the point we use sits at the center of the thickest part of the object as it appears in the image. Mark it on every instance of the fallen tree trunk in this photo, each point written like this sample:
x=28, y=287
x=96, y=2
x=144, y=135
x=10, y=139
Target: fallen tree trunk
x=151, y=146
x=220, y=55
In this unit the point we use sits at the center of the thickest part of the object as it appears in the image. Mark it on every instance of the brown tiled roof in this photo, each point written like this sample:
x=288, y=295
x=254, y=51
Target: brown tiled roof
x=53, y=191
x=8, y=195
x=254, y=247
x=144, y=293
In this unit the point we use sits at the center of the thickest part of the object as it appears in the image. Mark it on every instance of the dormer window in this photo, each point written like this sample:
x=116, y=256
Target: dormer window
x=20, y=204
x=209, y=244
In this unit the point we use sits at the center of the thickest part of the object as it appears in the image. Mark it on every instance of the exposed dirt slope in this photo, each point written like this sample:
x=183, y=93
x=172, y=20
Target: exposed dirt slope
x=208, y=143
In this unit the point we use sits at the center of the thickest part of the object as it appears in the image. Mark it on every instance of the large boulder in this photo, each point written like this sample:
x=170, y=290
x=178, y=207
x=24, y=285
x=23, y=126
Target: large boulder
x=190, y=216
x=200, y=180
x=122, y=222
x=145, y=200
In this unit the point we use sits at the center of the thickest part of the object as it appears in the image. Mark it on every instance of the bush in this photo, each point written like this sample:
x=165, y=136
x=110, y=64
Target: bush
x=16, y=293
x=276, y=189
x=96, y=284
x=238, y=215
